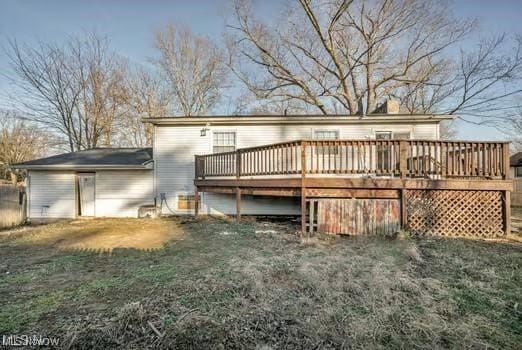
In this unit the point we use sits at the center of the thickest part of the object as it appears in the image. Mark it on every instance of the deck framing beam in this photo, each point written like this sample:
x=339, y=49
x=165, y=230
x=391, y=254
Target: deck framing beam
x=358, y=183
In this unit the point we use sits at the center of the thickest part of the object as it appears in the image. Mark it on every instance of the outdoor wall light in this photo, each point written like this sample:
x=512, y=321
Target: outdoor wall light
x=203, y=132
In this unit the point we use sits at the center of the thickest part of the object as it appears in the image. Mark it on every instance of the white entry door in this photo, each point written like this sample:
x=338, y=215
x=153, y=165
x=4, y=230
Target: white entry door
x=86, y=187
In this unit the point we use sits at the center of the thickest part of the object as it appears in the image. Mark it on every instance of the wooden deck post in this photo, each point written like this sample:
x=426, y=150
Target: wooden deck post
x=403, y=158
x=311, y=218
x=505, y=161
x=507, y=212
x=238, y=190
x=238, y=204
x=507, y=194
x=196, y=202
x=303, y=188
x=404, y=210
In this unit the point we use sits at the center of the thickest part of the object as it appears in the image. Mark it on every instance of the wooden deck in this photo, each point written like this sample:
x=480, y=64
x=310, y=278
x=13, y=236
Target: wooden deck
x=365, y=169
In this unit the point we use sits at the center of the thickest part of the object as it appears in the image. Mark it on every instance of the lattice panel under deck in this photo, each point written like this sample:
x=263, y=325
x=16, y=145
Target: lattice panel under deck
x=455, y=213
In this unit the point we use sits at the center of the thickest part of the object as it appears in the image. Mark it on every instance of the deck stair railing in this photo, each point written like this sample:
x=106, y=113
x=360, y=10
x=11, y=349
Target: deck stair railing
x=396, y=158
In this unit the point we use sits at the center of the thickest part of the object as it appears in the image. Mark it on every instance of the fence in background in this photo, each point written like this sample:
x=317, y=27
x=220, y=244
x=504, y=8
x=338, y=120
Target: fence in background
x=12, y=206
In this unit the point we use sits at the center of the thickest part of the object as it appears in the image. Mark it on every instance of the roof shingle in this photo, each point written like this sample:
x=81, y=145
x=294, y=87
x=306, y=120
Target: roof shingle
x=95, y=157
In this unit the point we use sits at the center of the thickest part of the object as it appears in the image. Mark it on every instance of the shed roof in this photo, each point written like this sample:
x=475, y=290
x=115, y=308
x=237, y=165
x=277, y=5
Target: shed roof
x=516, y=159
x=106, y=158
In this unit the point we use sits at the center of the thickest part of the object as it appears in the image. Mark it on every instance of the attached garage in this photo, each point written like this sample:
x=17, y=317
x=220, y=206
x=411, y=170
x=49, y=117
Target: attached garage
x=101, y=182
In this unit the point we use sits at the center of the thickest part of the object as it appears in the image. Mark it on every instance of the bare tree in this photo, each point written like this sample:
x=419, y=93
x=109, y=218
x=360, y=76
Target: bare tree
x=447, y=130
x=19, y=142
x=101, y=75
x=335, y=54
x=511, y=126
x=147, y=97
x=48, y=89
x=339, y=55
x=75, y=89
x=479, y=84
x=195, y=68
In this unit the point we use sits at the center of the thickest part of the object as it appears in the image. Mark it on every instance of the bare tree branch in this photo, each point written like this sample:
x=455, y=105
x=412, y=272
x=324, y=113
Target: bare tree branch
x=193, y=66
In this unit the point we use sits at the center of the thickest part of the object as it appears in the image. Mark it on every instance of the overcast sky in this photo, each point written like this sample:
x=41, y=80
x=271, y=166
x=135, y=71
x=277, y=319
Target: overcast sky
x=130, y=25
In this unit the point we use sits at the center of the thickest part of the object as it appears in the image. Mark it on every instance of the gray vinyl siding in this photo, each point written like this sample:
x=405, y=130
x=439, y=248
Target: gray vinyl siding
x=175, y=147
x=52, y=194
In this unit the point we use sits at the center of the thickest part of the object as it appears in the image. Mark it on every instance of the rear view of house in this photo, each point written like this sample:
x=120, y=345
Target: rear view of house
x=178, y=140
x=340, y=173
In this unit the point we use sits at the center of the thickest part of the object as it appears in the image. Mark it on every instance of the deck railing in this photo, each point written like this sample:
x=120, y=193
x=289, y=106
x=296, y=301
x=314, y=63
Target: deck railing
x=395, y=158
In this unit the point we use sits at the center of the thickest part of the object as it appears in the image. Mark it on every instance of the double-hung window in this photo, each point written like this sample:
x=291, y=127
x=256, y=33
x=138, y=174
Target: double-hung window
x=327, y=150
x=224, y=141
x=385, y=154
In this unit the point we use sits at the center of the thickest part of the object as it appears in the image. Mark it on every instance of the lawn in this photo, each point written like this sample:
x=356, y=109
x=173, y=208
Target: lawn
x=212, y=283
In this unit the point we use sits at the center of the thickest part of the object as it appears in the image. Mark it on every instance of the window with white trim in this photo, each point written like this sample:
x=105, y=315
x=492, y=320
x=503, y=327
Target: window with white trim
x=224, y=141
x=385, y=156
x=327, y=135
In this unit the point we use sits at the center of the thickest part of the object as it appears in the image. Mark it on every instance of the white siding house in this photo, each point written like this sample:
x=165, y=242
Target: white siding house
x=117, y=182
x=177, y=140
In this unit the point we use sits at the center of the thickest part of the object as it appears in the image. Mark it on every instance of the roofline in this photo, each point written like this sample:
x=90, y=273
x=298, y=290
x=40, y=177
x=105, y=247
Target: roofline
x=298, y=119
x=144, y=166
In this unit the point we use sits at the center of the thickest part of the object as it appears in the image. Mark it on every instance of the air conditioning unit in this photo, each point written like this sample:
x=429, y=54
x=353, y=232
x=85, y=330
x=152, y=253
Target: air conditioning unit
x=148, y=211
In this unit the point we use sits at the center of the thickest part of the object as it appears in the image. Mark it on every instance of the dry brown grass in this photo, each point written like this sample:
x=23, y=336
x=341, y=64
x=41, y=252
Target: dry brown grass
x=262, y=287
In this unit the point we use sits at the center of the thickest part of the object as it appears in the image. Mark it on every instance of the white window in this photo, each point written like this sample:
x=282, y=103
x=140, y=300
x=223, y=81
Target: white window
x=385, y=155
x=396, y=135
x=224, y=141
x=383, y=135
x=383, y=151
x=327, y=135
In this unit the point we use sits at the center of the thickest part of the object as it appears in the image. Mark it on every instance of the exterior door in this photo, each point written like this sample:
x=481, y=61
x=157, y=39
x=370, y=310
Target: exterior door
x=86, y=187
x=383, y=151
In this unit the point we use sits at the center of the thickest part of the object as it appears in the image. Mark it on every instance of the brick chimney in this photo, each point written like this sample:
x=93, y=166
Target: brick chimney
x=390, y=106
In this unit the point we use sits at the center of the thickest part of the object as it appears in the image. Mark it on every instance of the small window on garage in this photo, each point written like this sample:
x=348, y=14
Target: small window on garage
x=224, y=141
x=186, y=201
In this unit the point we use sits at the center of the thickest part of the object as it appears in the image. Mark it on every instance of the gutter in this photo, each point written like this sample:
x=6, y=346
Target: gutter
x=257, y=120
x=144, y=166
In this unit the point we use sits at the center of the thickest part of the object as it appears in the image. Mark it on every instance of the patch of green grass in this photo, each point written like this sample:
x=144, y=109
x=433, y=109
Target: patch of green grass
x=472, y=301
x=15, y=316
x=157, y=273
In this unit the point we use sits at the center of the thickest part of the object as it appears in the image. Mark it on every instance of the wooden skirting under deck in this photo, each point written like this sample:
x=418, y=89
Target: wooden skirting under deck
x=436, y=207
